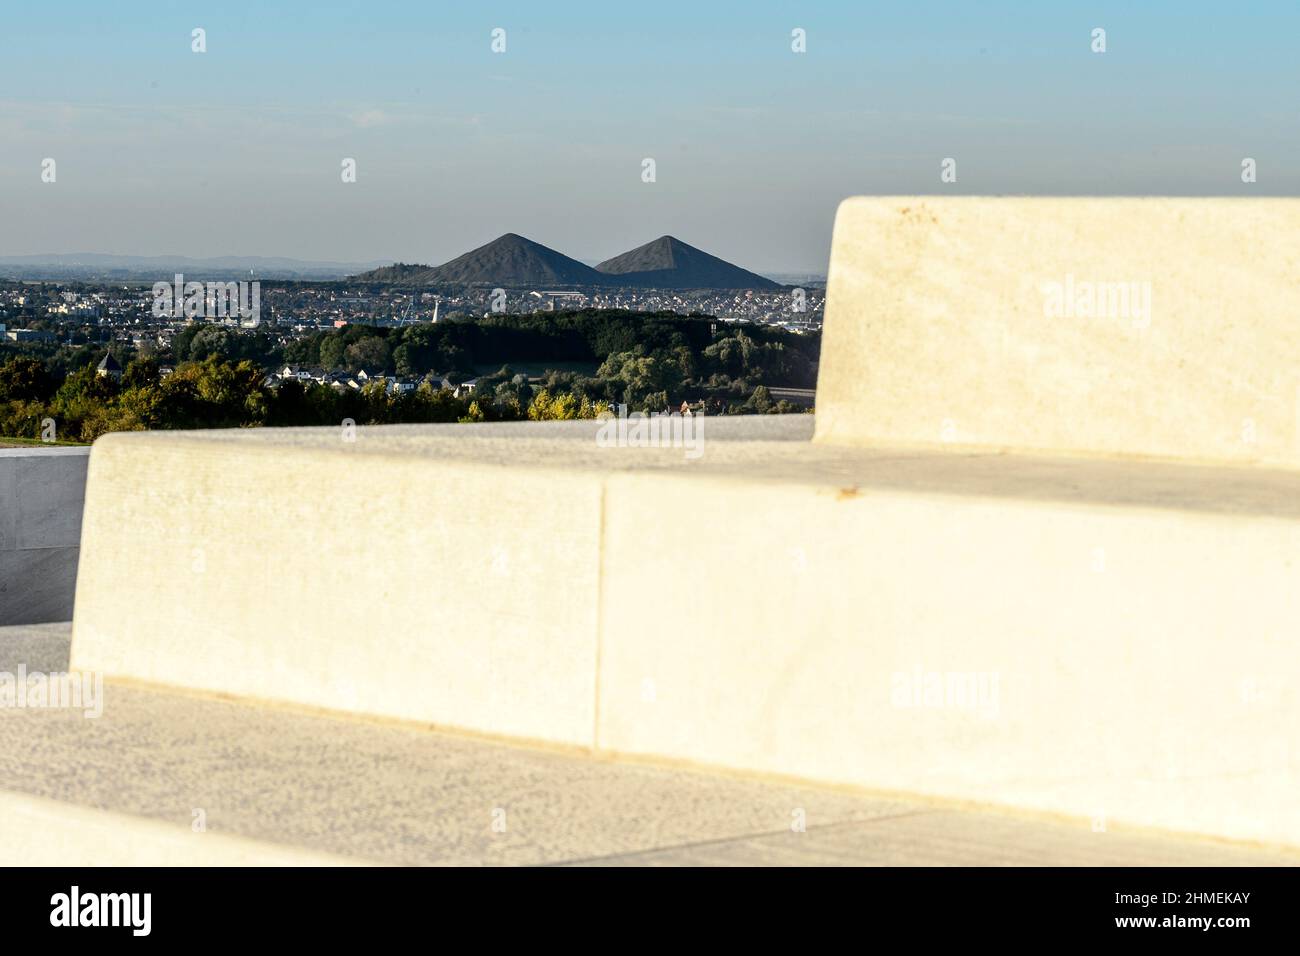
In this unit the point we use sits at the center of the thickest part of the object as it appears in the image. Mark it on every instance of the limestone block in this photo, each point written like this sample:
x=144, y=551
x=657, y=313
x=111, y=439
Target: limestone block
x=325, y=575
x=1111, y=326
x=1101, y=639
x=987, y=635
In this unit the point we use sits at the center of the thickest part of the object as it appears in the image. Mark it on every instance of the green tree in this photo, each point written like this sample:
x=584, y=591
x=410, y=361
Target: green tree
x=331, y=352
x=26, y=379
x=370, y=353
x=141, y=373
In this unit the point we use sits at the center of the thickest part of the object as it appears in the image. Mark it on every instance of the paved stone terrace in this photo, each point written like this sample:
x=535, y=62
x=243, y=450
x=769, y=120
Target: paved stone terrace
x=406, y=795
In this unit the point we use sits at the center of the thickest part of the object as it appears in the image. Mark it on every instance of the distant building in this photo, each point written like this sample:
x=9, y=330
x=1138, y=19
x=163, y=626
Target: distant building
x=29, y=335
x=108, y=366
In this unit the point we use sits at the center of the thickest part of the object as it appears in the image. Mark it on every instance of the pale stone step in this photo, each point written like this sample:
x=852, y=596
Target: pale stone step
x=773, y=606
x=447, y=574
x=280, y=787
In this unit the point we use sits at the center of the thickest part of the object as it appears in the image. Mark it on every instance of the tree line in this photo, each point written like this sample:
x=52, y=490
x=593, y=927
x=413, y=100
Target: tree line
x=218, y=375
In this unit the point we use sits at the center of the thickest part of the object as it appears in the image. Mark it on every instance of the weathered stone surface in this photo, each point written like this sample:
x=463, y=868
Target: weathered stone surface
x=752, y=609
x=341, y=576
x=277, y=786
x=949, y=322
x=1056, y=650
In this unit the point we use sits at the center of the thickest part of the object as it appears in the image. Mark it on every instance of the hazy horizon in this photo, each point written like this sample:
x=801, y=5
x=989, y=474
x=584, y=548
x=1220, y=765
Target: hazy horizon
x=236, y=152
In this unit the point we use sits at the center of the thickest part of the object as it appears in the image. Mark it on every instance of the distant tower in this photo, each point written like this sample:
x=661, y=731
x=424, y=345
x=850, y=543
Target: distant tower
x=436, y=302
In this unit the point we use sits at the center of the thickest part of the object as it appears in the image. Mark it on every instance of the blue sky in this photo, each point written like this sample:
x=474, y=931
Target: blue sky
x=237, y=151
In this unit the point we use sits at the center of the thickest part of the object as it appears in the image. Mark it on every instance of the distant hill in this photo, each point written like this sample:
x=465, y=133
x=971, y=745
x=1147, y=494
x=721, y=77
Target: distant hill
x=402, y=272
x=510, y=260
x=669, y=263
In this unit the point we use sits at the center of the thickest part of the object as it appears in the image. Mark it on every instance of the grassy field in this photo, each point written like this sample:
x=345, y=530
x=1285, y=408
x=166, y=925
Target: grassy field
x=33, y=442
